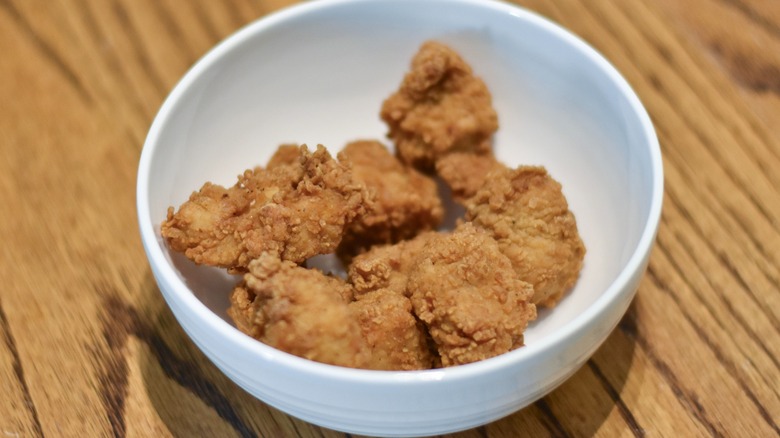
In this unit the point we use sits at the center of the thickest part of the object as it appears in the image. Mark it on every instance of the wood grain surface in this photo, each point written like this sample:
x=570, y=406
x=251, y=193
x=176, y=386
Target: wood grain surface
x=88, y=347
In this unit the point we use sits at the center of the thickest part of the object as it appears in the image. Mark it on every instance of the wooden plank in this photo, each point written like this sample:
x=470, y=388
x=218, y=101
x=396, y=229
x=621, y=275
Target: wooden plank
x=749, y=57
x=651, y=398
x=47, y=322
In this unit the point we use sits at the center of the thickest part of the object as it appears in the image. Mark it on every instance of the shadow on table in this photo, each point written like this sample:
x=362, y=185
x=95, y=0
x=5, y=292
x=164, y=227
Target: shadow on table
x=582, y=404
x=190, y=394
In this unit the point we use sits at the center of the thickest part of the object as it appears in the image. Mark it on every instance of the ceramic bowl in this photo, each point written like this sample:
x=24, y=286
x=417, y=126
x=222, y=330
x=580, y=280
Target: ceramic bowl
x=318, y=73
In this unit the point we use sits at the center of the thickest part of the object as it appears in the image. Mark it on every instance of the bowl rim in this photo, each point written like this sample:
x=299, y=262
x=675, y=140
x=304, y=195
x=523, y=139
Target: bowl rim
x=222, y=328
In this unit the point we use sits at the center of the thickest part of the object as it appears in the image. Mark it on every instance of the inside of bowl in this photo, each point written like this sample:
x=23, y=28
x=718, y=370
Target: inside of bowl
x=323, y=81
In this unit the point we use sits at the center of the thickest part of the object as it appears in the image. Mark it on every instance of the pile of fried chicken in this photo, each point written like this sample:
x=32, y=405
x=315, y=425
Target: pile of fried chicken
x=413, y=297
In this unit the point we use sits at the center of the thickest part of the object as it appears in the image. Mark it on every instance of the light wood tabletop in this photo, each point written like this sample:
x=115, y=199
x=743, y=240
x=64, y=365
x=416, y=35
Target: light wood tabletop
x=89, y=348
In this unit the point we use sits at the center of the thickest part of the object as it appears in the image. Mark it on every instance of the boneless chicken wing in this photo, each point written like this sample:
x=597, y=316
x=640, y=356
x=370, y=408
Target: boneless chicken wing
x=397, y=340
x=465, y=173
x=525, y=211
x=300, y=311
x=440, y=107
x=296, y=209
x=471, y=299
x=406, y=202
x=387, y=266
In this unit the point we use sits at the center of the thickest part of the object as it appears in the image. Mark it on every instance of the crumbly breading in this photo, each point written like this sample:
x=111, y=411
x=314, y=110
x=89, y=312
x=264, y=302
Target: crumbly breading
x=470, y=298
x=397, y=340
x=387, y=266
x=300, y=311
x=465, y=173
x=295, y=209
x=286, y=155
x=245, y=311
x=525, y=211
x=406, y=202
x=440, y=107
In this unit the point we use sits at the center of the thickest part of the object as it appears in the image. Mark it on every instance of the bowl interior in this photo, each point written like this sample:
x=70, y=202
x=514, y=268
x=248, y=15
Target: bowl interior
x=321, y=78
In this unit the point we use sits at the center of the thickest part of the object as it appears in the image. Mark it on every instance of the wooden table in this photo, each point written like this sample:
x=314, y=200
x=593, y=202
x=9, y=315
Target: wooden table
x=89, y=348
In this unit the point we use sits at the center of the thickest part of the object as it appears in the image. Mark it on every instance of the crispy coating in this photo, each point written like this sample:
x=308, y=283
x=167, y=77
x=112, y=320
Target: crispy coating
x=469, y=296
x=406, y=201
x=245, y=311
x=286, y=155
x=439, y=108
x=300, y=311
x=387, y=266
x=398, y=341
x=379, y=279
x=295, y=209
x=526, y=212
x=465, y=172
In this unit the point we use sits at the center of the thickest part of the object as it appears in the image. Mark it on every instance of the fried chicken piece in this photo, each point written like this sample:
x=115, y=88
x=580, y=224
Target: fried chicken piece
x=245, y=311
x=300, y=311
x=406, y=201
x=379, y=280
x=387, y=266
x=440, y=107
x=471, y=299
x=295, y=210
x=465, y=172
x=398, y=341
x=526, y=212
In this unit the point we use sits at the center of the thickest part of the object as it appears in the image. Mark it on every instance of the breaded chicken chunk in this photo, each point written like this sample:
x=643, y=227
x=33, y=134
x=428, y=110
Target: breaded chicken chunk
x=471, y=299
x=387, y=266
x=246, y=311
x=296, y=209
x=406, y=202
x=300, y=311
x=440, y=107
x=379, y=277
x=397, y=340
x=465, y=173
x=526, y=212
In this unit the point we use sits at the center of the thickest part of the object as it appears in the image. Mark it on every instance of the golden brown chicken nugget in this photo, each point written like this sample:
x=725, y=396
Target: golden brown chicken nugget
x=465, y=173
x=440, y=107
x=526, y=212
x=295, y=211
x=472, y=301
x=387, y=266
x=300, y=311
x=398, y=341
x=406, y=202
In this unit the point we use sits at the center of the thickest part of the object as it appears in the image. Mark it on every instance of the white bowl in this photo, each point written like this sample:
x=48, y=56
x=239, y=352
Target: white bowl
x=318, y=73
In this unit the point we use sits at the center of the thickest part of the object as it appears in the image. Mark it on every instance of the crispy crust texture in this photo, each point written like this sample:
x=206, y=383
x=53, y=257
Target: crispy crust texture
x=469, y=296
x=440, y=107
x=465, y=173
x=525, y=211
x=398, y=341
x=406, y=202
x=300, y=311
x=295, y=209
